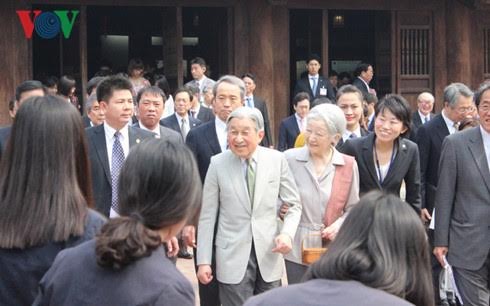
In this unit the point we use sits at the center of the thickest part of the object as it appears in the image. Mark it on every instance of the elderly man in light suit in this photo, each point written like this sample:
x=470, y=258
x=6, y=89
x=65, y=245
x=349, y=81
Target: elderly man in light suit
x=462, y=206
x=240, y=195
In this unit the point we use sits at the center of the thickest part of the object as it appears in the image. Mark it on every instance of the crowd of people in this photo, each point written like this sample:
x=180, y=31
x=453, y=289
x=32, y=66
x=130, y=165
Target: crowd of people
x=96, y=208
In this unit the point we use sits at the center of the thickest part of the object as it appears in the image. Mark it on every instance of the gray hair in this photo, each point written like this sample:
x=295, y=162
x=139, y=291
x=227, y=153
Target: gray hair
x=250, y=113
x=455, y=90
x=207, y=88
x=331, y=115
x=233, y=80
x=90, y=102
x=426, y=96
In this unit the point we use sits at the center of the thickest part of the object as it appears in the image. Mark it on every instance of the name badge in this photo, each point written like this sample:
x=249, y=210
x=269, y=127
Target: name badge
x=323, y=91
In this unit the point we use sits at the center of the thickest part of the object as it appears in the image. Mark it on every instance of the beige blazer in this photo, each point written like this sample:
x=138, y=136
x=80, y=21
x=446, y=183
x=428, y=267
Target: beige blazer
x=226, y=202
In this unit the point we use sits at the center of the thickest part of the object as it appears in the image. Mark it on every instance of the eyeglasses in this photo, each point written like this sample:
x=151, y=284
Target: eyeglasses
x=464, y=110
x=484, y=108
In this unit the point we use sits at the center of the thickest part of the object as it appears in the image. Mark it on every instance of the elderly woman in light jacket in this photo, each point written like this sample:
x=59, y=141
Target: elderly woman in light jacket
x=328, y=181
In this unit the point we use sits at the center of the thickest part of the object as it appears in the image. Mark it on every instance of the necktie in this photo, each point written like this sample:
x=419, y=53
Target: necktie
x=193, y=113
x=249, y=102
x=313, y=88
x=352, y=136
x=183, y=128
x=250, y=180
x=456, y=126
x=117, y=162
x=426, y=119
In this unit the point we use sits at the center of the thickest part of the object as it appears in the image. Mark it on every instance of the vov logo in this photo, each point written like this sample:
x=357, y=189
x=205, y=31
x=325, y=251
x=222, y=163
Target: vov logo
x=47, y=24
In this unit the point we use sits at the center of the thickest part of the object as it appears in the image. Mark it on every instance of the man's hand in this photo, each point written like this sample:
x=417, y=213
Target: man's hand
x=440, y=252
x=283, y=244
x=283, y=210
x=424, y=214
x=189, y=235
x=204, y=274
x=173, y=247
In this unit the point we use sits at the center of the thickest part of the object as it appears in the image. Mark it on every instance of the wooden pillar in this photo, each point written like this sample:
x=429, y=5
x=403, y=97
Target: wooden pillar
x=83, y=53
x=440, y=56
x=15, y=56
x=458, y=27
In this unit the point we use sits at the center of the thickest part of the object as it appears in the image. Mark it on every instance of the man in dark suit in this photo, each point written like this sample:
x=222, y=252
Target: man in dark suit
x=206, y=141
x=204, y=114
x=371, y=101
x=94, y=115
x=429, y=139
x=423, y=114
x=151, y=104
x=462, y=208
x=252, y=100
x=363, y=75
x=27, y=89
x=349, y=99
x=291, y=126
x=109, y=143
x=180, y=121
x=314, y=84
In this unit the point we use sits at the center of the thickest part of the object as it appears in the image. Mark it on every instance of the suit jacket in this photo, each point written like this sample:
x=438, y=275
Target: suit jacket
x=304, y=85
x=166, y=134
x=203, y=142
x=288, y=131
x=151, y=280
x=429, y=139
x=204, y=82
x=339, y=145
x=205, y=114
x=99, y=162
x=462, y=200
x=172, y=122
x=317, y=291
x=360, y=85
x=405, y=166
x=86, y=121
x=260, y=104
x=4, y=136
x=417, y=121
x=240, y=223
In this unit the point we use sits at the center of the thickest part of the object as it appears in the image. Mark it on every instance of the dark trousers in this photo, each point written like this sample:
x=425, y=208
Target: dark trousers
x=474, y=286
x=209, y=294
x=436, y=267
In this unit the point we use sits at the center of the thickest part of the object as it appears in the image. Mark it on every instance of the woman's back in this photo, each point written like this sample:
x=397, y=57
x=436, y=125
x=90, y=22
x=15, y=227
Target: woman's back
x=152, y=280
x=22, y=269
x=324, y=292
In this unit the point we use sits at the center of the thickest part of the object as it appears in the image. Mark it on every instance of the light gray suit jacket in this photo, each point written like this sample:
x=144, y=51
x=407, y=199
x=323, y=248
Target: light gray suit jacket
x=463, y=200
x=226, y=201
x=205, y=82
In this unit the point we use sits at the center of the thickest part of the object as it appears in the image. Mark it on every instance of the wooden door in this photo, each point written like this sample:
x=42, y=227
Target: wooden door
x=412, y=57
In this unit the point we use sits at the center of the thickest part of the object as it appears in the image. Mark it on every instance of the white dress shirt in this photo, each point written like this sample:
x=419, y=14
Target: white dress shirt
x=109, y=141
x=186, y=124
x=486, y=144
x=311, y=78
x=449, y=123
x=221, y=133
x=423, y=117
x=301, y=122
x=347, y=133
x=156, y=131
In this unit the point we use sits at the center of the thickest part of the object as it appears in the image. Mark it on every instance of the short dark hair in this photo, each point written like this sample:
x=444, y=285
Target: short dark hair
x=300, y=96
x=468, y=122
x=154, y=90
x=362, y=67
x=382, y=244
x=249, y=75
x=349, y=89
x=51, y=81
x=198, y=60
x=333, y=73
x=27, y=86
x=480, y=91
x=159, y=186
x=44, y=175
x=11, y=104
x=108, y=85
x=370, y=98
x=93, y=83
x=321, y=100
x=184, y=89
x=313, y=57
x=399, y=107
x=65, y=85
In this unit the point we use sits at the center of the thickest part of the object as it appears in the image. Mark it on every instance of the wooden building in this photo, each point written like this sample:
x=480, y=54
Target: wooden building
x=414, y=45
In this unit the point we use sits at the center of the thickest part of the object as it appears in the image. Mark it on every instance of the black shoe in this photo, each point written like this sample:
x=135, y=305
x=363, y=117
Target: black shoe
x=184, y=254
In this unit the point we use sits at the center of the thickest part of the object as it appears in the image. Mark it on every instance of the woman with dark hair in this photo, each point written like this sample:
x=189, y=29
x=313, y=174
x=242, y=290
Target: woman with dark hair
x=45, y=191
x=66, y=89
x=379, y=257
x=136, y=70
x=162, y=83
x=386, y=158
x=159, y=189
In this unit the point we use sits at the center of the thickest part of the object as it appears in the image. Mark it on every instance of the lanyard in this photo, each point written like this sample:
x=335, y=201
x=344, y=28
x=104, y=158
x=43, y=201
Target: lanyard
x=378, y=168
